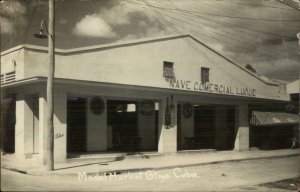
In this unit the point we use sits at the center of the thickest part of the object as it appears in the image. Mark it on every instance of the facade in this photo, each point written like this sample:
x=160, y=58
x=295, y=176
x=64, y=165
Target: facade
x=159, y=95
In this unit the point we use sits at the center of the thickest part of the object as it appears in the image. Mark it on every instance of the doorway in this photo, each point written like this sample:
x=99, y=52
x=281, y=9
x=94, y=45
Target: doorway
x=122, y=118
x=8, y=121
x=76, y=124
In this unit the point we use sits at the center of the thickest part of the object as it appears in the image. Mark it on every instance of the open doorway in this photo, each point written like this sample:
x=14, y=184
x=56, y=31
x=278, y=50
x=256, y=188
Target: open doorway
x=122, y=119
x=76, y=124
x=205, y=127
x=8, y=121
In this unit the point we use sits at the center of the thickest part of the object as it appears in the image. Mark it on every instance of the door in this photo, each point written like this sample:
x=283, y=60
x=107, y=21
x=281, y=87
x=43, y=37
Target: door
x=76, y=124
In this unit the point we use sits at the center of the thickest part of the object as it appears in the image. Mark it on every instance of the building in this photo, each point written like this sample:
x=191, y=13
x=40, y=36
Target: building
x=159, y=94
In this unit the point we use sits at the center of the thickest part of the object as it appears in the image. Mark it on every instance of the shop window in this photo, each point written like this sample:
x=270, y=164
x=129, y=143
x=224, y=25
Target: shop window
x=169, y=69
x=204, y=75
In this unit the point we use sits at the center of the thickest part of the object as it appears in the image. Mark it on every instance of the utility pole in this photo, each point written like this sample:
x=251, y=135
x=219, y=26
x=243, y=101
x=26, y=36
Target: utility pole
x=51, y=64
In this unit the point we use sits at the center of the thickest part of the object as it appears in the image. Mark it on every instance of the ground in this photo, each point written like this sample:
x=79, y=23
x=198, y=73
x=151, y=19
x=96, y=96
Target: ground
x=255, y=175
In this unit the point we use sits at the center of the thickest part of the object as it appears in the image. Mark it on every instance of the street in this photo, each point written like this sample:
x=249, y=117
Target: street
x=235, y=176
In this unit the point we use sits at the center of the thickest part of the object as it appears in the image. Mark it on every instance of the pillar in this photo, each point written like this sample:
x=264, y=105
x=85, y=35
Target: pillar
x=60, y=125
x=42, y=128
x=242, y=128
x=167, y=143
x=20, y=124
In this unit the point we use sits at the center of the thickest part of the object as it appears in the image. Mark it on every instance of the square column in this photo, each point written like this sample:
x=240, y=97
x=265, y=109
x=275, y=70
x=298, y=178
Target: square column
x=242, y=128
x=21, y=108
x=42, y=128
x=167, y=143
x=60, y=125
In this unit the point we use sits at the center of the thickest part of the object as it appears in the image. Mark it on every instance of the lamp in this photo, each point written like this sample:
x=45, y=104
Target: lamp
x=40, y=34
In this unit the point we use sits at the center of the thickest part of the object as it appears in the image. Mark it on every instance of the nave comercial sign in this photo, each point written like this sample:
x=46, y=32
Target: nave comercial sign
x=211, y=88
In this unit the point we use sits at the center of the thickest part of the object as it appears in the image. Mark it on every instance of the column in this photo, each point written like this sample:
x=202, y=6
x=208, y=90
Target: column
x=60, y=125
x=167, y=143
x=242, y=128
x=42, y=128
x=20, y=124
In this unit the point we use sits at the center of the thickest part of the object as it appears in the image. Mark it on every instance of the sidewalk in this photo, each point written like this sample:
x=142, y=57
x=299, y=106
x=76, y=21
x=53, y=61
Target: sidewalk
x=145, y=162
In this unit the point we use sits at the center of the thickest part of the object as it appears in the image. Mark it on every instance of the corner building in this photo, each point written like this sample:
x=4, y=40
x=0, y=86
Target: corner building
x=158, y=95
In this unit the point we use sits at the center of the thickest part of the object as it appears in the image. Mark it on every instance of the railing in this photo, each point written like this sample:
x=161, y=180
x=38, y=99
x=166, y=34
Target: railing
x=8, y=77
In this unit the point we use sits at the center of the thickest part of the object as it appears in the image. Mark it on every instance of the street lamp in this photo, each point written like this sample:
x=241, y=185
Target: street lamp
x=40, y=34
x=51, y=63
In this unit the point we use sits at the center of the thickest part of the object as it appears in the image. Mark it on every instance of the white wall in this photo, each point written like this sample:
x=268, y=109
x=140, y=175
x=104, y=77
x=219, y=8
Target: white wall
x=143, y=63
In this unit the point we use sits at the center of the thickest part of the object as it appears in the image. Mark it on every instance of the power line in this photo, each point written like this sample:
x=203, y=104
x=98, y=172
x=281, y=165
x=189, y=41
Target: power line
x=247, y=4
x=220, y=22
x=212, y=37
x=227, y=16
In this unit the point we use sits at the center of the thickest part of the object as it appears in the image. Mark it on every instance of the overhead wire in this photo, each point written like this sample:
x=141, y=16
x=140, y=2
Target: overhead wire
x=229, y=16
x=221, y=67
x=220, y=22
x=255, y=5
x=212, y=37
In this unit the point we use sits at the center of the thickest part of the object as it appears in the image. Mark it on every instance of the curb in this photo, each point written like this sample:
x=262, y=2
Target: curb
x=134, y=170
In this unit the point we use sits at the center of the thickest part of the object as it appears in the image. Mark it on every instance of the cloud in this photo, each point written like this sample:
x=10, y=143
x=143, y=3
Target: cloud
x=12, y=7
x=6, y=26
x=94, y=26
x=116, y=15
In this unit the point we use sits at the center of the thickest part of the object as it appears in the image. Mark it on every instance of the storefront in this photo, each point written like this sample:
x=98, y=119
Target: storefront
x=154, y=95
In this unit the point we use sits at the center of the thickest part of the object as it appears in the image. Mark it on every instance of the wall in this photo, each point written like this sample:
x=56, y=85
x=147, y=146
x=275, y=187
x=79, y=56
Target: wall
x=137, y=61
x=7, y=64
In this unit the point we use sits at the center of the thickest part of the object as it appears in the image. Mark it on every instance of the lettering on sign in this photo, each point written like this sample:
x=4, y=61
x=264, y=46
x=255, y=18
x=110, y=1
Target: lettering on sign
x=58, y=135
x=211, y=88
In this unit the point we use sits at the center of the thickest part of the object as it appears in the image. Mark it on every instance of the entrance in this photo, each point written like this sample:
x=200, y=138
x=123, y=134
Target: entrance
x=122, y=118
x=8, y=121
x=204, y=122
x=76, y=124
x=206, y=127
x=271, y=137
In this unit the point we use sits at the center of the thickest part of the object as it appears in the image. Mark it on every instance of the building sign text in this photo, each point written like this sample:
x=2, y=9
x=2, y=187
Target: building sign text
x=211, y=88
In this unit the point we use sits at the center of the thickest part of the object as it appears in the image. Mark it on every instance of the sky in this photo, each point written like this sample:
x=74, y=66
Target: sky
x=261, y=33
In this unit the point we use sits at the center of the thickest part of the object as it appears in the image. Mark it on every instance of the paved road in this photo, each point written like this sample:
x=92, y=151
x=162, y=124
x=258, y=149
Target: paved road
x=227, y=176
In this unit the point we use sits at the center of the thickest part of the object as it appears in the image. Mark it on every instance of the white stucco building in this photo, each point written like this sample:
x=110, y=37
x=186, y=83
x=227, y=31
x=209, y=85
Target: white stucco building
x=160, y=94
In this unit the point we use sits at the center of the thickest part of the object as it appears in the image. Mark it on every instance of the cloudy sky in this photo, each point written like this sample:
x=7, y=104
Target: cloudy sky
x=257, y=32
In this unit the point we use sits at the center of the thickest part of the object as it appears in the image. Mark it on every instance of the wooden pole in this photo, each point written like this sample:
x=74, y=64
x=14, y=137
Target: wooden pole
x=51, y=64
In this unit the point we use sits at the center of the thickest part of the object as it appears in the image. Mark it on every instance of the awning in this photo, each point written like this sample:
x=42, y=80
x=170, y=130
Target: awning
x=273, y=118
